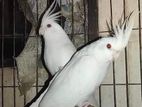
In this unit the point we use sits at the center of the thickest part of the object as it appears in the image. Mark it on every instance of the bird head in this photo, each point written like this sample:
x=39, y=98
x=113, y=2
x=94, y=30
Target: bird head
x=49, y=20
x=109, y=48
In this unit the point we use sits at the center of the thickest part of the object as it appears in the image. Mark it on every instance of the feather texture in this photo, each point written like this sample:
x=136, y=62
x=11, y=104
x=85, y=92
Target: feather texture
x=86, y=70
x=58, y=47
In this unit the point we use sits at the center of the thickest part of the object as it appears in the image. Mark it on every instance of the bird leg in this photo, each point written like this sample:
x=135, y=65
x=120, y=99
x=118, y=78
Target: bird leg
x=85, y=104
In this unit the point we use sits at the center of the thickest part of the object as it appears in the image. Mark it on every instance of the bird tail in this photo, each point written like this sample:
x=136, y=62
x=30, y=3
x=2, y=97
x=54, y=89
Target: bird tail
x=49, y=15
x=36, y=103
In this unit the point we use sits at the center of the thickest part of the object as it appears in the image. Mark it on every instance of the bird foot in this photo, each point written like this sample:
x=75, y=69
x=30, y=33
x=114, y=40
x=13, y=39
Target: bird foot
x=87, y=104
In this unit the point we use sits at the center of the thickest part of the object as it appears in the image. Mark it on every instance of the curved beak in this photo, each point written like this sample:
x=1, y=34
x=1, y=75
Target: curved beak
x=41, y=31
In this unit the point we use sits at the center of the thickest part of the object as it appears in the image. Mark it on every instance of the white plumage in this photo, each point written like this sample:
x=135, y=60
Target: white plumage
x=86, y=70
x=58, y=47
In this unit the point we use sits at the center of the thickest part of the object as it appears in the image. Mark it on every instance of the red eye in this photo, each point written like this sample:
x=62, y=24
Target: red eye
x=108, y=46
x=48, y=25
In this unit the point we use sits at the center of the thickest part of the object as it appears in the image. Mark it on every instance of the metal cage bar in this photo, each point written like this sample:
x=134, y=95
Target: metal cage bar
x=2, y=56
x=114, y=81
x=37, y=51
x=140, y=42
x=14, y=71
x=126, y=64
x=92, y=33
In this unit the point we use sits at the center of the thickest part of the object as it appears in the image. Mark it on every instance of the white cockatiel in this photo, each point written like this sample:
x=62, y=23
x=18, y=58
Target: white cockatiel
x=58, y=47
x=85, y=71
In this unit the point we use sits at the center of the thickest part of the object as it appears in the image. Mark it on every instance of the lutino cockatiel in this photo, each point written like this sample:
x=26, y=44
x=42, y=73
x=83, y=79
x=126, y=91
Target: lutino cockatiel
x=85, y=71
x=58, y=47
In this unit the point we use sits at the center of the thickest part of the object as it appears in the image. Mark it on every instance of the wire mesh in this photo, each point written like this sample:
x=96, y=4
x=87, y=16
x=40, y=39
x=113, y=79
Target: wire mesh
x=10, y=95
x=128, y=84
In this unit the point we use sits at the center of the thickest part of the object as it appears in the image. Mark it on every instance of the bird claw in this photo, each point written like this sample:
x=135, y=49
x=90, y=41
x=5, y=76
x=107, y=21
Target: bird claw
x=86, y=104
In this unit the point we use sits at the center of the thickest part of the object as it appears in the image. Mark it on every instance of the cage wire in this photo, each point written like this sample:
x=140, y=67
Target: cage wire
x=22, y=73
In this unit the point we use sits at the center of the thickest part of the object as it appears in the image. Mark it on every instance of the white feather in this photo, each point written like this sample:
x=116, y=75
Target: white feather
x=85, y=71
x=122, y=30
x=58, y=47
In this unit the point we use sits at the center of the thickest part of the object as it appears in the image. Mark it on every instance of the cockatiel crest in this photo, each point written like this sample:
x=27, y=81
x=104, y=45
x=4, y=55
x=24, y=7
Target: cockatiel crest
x=49, y=19
x=58, y=47
x=123, y=29
x=118, y=39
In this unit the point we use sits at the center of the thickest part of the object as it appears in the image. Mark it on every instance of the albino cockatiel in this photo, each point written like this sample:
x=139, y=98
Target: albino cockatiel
x=85, y=71
x=58, y=47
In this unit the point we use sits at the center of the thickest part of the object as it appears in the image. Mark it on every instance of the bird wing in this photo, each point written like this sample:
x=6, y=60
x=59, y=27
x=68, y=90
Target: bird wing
x=66, y=88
